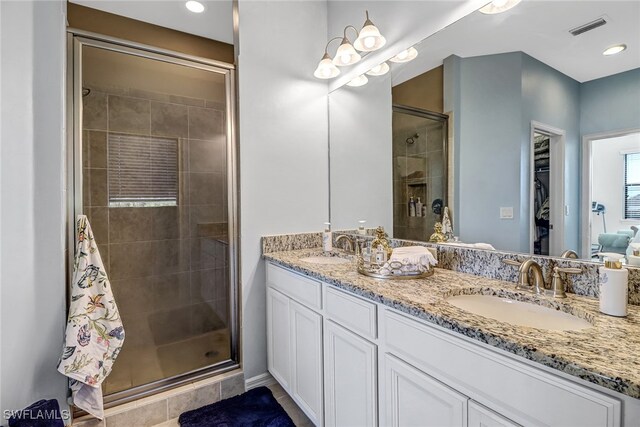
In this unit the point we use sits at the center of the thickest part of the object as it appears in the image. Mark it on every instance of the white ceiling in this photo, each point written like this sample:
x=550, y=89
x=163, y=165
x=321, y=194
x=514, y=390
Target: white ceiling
x=215, y=23
x=540, y=29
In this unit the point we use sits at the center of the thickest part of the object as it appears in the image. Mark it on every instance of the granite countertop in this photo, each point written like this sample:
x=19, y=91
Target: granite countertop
x=605, y=354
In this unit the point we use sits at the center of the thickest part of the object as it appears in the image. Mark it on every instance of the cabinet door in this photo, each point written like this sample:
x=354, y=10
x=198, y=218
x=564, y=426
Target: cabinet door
x=412, y=398
x=479, y=416
x=278, y=337
x=306, y=363
x=350, y=378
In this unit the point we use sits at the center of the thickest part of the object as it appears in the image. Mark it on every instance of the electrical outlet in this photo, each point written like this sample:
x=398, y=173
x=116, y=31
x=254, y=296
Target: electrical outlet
x=506, y=212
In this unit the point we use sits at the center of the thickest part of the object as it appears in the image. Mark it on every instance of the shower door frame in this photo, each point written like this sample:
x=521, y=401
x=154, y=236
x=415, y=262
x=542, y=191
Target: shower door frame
x=439, y=117
x=76, y=40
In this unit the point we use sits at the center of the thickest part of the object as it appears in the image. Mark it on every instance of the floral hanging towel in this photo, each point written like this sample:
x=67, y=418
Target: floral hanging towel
x=94, y=334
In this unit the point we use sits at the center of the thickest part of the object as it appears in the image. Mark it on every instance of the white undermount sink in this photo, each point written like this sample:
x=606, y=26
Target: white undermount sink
x=325, y=260
x=518, y=313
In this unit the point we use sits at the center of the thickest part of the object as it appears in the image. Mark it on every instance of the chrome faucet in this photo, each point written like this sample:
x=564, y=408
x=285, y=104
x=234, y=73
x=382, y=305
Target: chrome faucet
x=524, y=268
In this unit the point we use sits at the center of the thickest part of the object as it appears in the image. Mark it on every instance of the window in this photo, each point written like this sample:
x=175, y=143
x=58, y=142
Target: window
x=632, y=186
x=143, y=171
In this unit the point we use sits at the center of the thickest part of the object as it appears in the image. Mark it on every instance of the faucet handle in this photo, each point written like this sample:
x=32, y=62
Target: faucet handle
x=557, y=284
x=512, y=262
x=569, y=270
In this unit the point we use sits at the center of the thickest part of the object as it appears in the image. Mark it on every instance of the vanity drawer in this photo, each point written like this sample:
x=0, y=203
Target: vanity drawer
x=295, y=286
x=525, y=394
x=355, y=314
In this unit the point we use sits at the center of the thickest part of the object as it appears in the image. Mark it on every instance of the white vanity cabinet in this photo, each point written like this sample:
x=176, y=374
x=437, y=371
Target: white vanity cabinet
x=350, y=378
x=294, y=338
x=479, y=416
x=414, y=399
x=348, y=361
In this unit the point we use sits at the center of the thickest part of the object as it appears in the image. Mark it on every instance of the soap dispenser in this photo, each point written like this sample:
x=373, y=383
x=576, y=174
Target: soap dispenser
x=418, y=207
x=361, y=230
x=327, y=238
x=613, y=288
x=412, y=207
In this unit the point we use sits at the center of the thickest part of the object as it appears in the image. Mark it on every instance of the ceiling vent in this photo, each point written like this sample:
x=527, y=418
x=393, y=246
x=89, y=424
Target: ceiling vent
x=588, y=26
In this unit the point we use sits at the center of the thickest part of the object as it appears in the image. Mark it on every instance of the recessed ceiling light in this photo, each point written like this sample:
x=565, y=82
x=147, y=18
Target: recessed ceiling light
x=614, y=49
x=194, y=6
x=498, y=6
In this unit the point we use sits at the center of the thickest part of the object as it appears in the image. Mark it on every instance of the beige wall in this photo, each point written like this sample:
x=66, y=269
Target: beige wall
x=97, y=21
x=424, y=91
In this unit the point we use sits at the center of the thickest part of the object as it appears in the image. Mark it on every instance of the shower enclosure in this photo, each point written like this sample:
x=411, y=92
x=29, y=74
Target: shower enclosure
x=419, y=171
x=152, y=162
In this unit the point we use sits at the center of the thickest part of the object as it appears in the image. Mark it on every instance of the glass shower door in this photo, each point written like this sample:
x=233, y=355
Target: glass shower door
x=155, y=141
x=419, y=171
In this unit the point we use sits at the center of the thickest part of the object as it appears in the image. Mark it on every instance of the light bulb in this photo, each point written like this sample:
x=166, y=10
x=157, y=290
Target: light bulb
x=498, y=6
x=379, y=70
x=369, y=42
x=326, y=69
x=194, y=6
x=345, y=58
x=361, y=80
x=405, y=56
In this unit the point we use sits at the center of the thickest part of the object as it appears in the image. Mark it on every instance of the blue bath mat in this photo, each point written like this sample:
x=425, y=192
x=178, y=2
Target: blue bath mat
x=255, y=408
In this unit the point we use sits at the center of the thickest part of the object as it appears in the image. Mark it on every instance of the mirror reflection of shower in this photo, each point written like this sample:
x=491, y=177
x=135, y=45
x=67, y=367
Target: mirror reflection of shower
x=419, y=171
x=412, y=139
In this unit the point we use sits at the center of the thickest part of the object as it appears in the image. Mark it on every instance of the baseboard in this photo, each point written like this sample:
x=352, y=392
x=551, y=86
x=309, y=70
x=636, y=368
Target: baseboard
x=259, y=380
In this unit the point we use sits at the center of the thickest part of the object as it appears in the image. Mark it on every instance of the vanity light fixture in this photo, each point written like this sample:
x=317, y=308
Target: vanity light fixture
x=614, y=49
x=498, y=6
x=346, y=54
x=194, y=6
x=379, y=70
x=361, y=80
x=369, y=37
x=326, y=69
x=406, y=55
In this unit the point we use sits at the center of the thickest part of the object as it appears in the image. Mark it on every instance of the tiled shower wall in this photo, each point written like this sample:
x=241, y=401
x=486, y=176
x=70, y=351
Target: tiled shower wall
x=167, y=265
x=418, y=171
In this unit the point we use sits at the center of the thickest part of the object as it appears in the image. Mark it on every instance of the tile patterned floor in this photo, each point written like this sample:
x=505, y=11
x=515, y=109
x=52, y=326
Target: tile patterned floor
x=296, y=414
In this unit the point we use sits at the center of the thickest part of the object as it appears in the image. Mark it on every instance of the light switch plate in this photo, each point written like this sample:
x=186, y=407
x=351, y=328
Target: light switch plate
x=506, y=212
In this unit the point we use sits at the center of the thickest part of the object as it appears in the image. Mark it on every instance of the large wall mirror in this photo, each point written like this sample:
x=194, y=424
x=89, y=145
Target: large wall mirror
x=525, y=130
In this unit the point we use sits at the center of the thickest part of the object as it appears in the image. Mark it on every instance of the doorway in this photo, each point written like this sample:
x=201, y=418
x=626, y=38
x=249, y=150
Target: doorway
x=548, y=209
x=153, y=168
x=610, y=192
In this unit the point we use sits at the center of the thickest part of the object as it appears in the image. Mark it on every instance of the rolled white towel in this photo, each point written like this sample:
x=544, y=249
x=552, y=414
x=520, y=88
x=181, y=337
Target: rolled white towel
x=485, y=246
x=419, y=255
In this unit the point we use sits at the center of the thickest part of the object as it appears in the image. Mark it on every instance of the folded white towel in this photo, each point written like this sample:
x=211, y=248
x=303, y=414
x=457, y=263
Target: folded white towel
x=485, y=246
x=418, y=255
